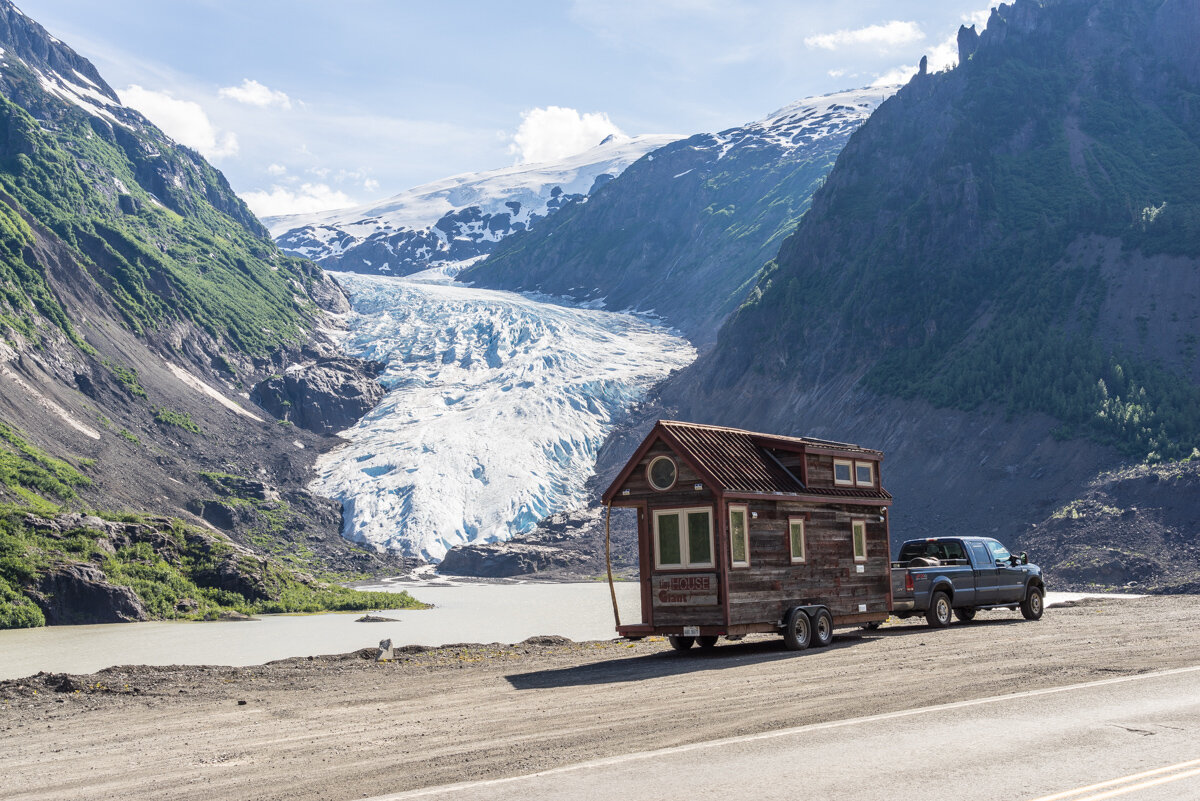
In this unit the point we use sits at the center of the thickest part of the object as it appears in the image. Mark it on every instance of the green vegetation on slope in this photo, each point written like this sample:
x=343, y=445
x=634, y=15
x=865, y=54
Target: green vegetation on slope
x=977, y=188
x=80, y=179
x=177, y=572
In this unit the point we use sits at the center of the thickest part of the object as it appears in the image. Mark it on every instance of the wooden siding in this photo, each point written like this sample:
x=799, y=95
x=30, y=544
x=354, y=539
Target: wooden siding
x=682, y=494
x=820, y=470
x=828, y=576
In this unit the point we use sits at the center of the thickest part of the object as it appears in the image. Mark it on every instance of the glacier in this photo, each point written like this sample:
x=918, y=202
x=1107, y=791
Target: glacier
x=497, y=404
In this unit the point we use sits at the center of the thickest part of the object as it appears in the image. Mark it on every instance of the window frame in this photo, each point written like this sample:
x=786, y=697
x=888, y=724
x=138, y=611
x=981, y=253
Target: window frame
x=871, y=467
x=803, y=521
x=838, y=482
x=650, y=471
x=854, y=524
x=685, y=545
x=744, y=508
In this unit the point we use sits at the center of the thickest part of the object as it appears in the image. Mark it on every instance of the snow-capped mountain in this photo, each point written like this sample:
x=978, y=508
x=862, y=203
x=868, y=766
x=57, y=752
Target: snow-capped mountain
x=497, y=406
x=684, y=233
x=455, y=219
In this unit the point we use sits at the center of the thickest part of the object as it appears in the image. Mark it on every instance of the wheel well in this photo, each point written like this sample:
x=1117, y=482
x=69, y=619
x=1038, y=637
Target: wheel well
x=945, y=587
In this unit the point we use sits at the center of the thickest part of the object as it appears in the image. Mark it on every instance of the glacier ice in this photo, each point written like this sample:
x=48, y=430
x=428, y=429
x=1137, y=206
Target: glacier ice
x=497, y=405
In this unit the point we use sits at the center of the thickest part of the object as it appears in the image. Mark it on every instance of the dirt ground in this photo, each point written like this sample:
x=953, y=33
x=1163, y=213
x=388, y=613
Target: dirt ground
x=347, y=727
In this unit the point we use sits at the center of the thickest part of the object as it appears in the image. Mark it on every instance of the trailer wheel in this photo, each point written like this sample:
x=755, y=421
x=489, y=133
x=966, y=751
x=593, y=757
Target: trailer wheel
x=1032, y=606
x=938, y=613
x=822, y=628
x=706, y=642
x=797, y=631
x=679, y=642
x=966, y=614
x=872, y=626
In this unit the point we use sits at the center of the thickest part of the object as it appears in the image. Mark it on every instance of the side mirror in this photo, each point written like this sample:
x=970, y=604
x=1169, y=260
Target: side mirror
x=1024, y=558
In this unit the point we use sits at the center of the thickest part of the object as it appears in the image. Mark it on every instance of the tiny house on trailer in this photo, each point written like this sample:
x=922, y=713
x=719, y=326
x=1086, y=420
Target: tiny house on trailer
x=741, y=532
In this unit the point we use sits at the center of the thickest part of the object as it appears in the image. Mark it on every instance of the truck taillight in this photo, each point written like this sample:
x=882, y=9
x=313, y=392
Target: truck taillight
x=908, y=582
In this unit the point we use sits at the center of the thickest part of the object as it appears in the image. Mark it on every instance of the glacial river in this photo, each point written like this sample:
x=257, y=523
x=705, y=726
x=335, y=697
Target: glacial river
x=505, y=613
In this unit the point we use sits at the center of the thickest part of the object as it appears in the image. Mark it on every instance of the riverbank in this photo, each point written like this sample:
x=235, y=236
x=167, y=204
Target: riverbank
x=346, y=726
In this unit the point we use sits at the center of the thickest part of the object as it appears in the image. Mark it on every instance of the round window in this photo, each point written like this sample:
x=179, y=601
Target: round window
x=661, y=472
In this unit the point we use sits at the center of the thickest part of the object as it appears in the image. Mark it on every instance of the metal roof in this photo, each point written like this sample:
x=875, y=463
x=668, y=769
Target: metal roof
x=743, y=462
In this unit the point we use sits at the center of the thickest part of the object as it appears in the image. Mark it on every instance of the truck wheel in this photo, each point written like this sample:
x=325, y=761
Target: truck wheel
x=823, y=629
x=679, y=642
x=797, y=631
x=706, y=642
x=1031, y=607
x=938, y=613
x=966, y=614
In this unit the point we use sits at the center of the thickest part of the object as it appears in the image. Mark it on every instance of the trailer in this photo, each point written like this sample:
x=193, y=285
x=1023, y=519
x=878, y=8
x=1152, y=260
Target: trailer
x=741, y=532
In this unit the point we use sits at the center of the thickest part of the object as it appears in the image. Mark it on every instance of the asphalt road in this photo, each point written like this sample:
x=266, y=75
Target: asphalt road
x=1134, y=738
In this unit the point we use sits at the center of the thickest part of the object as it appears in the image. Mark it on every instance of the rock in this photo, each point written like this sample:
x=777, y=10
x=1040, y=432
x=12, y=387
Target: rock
x=968, y=43
x=80, y=594
x=232, y=576
x=502, y=559
x=325, y=396
x=376, y=619
x=546, y=639
x=385, y=651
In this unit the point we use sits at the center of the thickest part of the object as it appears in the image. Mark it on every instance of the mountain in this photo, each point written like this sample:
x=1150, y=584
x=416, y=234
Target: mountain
x=683, y=231
x=141, y=304
x=457, y=219
x=997, y=285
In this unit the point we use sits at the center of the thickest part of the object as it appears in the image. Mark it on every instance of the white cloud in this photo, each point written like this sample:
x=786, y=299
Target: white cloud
x=182, y=120
x=253, y=93
x=370, y=185
x=889, y=34
x=308, y=198
x=554, y=132
x=276, y=169
x=836, y=73
x=895, y=76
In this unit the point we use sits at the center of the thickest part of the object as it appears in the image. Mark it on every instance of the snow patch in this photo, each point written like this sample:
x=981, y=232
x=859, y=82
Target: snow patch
x=205, y=389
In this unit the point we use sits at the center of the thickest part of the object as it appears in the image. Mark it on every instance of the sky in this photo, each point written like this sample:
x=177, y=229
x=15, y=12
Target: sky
x=308, y=105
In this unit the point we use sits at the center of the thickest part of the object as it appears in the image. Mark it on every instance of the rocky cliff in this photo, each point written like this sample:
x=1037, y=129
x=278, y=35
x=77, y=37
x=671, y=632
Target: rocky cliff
x=140, y=302
x=997, y=284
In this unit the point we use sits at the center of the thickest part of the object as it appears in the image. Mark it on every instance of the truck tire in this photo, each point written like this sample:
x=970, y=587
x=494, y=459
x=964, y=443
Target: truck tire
x=938, y=615
x=797, y=631
x=822, y=629
x=707, y=642
x=679, y=642
x=1033, y=605
x=966, y=614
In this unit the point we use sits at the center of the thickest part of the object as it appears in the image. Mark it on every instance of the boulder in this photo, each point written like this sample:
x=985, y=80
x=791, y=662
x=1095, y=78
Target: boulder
x=80, y=593
x=324, y=396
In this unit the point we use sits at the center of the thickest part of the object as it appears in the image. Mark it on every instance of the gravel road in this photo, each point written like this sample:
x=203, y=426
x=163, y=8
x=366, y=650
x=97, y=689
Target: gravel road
x=345, y=727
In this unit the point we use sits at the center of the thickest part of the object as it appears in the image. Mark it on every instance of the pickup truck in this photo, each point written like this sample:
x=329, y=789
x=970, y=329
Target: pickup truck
x=961, y=575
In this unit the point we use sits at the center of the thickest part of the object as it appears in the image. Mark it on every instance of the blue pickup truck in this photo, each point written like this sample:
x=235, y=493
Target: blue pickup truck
x=939, y=576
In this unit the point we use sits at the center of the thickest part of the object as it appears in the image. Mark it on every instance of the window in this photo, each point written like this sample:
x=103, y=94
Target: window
x=796, y=538
x=683, y=538
x=661, y=473
x=864, y=474
x=739, y=537
x=858, y=529
x=999, y=552
x=843, y=472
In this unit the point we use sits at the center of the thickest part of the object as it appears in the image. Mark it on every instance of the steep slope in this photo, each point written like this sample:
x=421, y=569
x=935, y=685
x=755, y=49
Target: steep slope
x=998, y=283
x=139, y=302
x=456, y=219
x=684, y=231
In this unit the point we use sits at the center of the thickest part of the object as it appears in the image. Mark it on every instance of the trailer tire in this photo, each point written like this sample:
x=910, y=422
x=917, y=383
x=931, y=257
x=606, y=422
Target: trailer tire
x=872, y=626
x=1033, y=605
x=822, y=628
x=679, y=642
x=707, y=642
x=938, y=614
x=965, y=614
x=797, y=631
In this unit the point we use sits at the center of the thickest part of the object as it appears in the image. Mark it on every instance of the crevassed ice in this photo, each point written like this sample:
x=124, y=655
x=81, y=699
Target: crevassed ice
x=496, y=407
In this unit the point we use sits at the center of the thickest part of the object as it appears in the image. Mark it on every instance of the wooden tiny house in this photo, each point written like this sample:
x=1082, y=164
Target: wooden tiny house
x=742, y=532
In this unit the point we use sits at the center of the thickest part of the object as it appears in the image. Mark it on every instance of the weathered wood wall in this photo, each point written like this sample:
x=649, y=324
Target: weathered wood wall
x=764, y=591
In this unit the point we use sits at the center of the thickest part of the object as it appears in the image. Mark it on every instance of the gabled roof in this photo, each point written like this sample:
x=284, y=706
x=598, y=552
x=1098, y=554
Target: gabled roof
x=742, y=462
